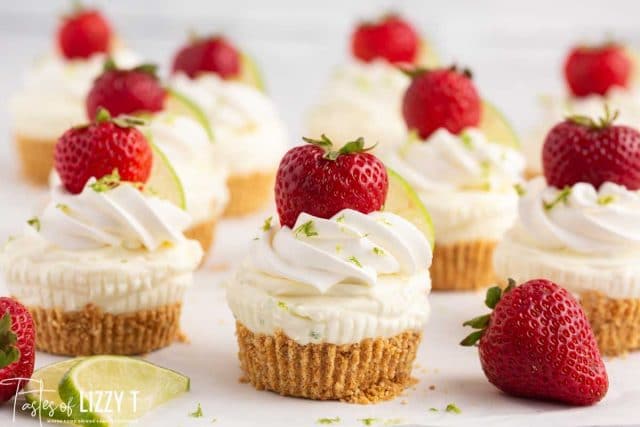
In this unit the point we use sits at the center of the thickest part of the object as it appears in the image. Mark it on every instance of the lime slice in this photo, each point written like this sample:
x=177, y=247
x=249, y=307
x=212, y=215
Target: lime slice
x=42, y=391
x=182, y=104
x=496, y=127
x=164, y=182
x=250, y=73
x=114, y=390
x=402, y=200
x=427, y=56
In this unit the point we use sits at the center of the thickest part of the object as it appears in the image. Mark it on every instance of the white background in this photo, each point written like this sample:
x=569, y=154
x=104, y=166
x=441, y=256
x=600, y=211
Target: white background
x=515, y=50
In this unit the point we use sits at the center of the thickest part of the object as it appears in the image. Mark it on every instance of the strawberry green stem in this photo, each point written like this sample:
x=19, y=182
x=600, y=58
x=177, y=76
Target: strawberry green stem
x=598, y=124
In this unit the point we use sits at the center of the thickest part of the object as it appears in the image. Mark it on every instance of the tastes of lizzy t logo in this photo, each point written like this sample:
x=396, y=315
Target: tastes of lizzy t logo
x=86, y=407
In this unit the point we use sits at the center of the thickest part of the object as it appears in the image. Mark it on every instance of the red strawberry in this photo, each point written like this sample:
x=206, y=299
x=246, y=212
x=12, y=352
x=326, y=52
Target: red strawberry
x=391, y=38
x=100, y=148
x=583, y=150
x=84, y=33
x=17, y=347
x=133, y=91
x=594, y=70
x=537, y=343
x=442, y=98
x=212, y=54
x=321, y=181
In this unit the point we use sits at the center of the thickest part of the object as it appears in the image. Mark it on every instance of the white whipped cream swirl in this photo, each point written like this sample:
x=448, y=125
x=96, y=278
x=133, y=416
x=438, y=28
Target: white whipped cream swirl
x=53, y=97
x=350, y=246
x=585, y=220
x=446, y=162
x=119, y=217
x=362, y=99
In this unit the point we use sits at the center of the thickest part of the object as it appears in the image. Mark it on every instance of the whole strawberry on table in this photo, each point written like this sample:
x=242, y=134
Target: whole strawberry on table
x=537, y=343
x=17, y=347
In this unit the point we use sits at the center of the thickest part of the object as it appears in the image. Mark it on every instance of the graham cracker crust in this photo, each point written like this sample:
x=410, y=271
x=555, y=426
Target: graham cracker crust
x=203, y=232
x=36, y=158
x=615, y=322
x=92, y=331
x=371, y=371
x=249, y=193
x=464, y=266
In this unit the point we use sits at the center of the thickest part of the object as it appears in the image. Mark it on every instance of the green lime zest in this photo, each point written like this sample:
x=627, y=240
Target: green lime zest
x=197, y=413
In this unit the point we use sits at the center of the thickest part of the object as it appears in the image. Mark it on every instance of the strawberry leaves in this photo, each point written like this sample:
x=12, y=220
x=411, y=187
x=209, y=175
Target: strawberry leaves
x=351, y=147
x=9, y=353
x=481, y=323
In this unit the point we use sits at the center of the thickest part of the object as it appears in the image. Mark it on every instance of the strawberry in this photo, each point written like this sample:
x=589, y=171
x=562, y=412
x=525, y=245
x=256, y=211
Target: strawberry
x=132, y=91
x=84, y=33
x=581, y=149
x=321, y=181
x=596, y=69
x=441, y=98
x=537, y=343
x=100, y=148
x=213, y=54
x=17, y=347
x=391, y=38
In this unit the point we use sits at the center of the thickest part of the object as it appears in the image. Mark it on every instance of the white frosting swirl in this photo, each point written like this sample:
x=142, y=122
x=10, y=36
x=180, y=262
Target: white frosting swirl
x=249, y=134
x=53, y=97
x=465, y=182
x=585, y=220
x=447, y=162
x=119, y=217
x=349, y=246
x=185, y=143
x=362, y=99
x=557, y=108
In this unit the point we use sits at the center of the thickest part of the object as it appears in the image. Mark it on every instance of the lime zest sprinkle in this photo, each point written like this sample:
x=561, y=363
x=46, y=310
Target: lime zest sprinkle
x=283, y=305
x=338, y=248
x=35, y=223
x=452, y=407
x=355, y=261
x=315, y=335
x=64, y=208
x=466, y=140
x=334, y=420
x=197, y=413
x=562, y=197
x=605, y=200
x=308, y=228
x=368, y=421
x=340, y=218
x=107, y=182
x=266, y=226
x=378, y=251
x=520, y=189
x=433, y=409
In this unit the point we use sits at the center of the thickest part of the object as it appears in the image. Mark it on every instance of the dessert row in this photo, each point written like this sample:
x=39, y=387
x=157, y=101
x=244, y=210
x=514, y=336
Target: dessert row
x=332, y=297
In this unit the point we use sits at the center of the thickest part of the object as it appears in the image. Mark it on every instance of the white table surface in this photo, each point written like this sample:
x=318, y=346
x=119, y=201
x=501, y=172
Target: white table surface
x=516, y=48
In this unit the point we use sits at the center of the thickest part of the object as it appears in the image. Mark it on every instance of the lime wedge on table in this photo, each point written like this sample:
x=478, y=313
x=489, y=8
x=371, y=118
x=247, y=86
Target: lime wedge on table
x=402, y=200
x=182, y=104
x=164, y=182
x=137, y=387
x=42, y=391
x=250, y=73
x=496, y=127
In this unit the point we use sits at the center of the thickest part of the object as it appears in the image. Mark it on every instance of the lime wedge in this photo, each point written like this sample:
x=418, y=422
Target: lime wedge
x=427, y=56
x=250, y=73
x=42, y=391
x=164, y=182
x=114, y=390
x=496, y=127
x=182, y=104
x=403, y=200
